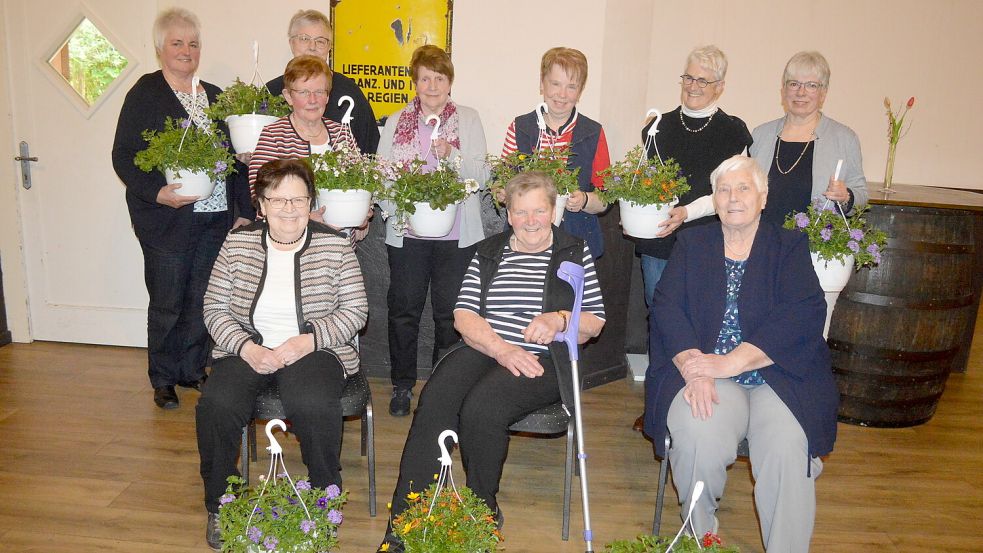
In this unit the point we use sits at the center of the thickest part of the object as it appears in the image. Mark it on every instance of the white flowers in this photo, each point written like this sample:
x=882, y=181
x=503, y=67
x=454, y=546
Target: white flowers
x=471, y=186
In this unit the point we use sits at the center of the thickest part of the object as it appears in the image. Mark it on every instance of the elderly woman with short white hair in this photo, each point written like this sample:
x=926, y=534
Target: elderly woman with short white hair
x=737, y=352
x=180, y=235
x=802, y=149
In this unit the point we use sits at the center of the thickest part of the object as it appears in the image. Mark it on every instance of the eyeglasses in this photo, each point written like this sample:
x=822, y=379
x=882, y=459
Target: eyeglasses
x=811, y=86
x=300, y=202
x=319, y=42
x=701, y=82
x=305, y=94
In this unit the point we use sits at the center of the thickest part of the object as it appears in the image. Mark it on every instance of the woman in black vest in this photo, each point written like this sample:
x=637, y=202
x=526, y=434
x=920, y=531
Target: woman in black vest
x=510, y=308
x=563, y=74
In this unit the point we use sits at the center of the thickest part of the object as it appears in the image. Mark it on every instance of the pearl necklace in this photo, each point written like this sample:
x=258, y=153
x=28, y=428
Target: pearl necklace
x=705, y=125
x=290, y=243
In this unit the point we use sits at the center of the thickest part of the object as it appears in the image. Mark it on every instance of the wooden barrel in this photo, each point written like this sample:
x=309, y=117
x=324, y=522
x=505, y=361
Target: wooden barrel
x=899, y=329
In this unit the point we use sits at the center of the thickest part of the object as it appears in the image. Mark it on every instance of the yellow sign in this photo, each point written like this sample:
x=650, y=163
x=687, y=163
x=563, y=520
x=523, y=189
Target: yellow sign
x=375, y=39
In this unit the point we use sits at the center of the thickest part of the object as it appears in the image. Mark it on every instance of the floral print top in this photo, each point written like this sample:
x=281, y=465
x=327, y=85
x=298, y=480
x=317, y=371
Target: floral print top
x=730, y=329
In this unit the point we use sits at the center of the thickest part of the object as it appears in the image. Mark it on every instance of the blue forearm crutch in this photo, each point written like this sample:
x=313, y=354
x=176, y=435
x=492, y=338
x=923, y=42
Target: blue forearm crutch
x=573, y=274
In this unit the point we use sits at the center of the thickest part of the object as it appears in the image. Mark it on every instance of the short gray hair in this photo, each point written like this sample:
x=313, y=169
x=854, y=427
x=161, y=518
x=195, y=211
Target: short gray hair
x=174, y=17
x=740, y=163
x=805, y=63
x=309, y=17
x=530, y=180
x=709, y=57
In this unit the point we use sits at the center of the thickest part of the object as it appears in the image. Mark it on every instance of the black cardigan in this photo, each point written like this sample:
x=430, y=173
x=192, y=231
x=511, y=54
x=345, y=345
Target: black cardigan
x=147, y=104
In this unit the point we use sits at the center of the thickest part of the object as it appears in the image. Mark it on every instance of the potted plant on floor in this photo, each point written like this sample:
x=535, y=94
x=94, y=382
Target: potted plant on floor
x=280, y=516
x=346, y=182
x=247, y=108
x=427, y=202
x=645, y=189
x=838, y=244
x=552, y=161
x=709, y=543
x=455, y=521
x=188, y=155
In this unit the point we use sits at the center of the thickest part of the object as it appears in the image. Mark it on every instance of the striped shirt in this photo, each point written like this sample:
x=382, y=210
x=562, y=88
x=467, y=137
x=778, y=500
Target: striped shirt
x=515, y=295
x=279, y=140
x=548, y=138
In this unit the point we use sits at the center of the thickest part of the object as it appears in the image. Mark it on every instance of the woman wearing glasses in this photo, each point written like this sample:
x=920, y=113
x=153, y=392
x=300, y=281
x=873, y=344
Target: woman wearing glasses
x=283, y=304
x=305, y=131
x=699, y=136
x=310, y=33
x=417, y=264
x=802, y=149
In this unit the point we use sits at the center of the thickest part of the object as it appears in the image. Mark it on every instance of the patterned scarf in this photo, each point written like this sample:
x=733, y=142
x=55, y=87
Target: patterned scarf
x=406, y=142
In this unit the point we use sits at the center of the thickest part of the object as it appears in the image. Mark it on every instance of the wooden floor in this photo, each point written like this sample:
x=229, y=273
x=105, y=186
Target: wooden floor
x=87, y=463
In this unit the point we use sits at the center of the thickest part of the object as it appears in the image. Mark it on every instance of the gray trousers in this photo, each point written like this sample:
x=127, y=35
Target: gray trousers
x=784, y=495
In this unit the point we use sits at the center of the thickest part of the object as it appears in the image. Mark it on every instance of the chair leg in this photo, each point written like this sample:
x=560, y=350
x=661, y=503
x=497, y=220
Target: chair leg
x=244, y=454
x=252, y=438
x=661, y=494
x=368, y=442
x=568, y=482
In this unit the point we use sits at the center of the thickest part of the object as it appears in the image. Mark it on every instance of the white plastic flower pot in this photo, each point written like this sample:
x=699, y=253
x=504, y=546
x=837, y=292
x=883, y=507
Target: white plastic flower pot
x=561, y=207
x=642, y=220
x=244, y=130
x=833, y=277
x=344, y=208
x=193, y=183
x=428, y=222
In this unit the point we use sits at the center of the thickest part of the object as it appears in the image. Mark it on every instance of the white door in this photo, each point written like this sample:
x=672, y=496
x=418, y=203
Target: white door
x=84, y=266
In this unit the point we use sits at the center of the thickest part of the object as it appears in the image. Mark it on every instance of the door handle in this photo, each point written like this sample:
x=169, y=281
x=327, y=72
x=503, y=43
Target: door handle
x=25, y=160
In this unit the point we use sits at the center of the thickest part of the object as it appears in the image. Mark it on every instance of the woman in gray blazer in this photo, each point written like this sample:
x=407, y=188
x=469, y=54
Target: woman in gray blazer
x=802, y=149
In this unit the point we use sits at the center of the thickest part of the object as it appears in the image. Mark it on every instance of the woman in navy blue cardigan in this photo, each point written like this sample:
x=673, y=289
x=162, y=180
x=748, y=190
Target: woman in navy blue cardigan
x=736, y=352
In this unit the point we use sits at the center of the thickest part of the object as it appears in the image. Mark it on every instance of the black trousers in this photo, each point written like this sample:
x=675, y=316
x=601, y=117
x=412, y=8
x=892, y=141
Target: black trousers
x=437, y=265
x=310, y=390
x=177, y=340
x=473, y=395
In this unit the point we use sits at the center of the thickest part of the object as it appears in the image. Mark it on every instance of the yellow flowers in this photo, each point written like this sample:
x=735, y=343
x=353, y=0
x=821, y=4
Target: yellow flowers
x=412, y=496
x=385, y=547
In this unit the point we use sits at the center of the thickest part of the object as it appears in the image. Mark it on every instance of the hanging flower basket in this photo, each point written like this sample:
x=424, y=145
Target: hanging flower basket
x=346, y=181
x=642, y=220
x=561, y=207
x=646, y=189
x=428, y=222
x=833, y=274
x=344, y=208
x=193, y=183
x=244, y=130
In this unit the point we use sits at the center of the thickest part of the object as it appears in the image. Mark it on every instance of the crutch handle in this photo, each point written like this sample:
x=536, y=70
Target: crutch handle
x=574, y=275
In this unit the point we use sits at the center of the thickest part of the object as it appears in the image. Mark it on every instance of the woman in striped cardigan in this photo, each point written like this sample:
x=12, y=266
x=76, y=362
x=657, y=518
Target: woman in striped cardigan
x=284, y=303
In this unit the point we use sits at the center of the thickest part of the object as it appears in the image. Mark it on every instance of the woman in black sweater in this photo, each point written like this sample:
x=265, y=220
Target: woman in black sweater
x=180, y=235
x=699, y=136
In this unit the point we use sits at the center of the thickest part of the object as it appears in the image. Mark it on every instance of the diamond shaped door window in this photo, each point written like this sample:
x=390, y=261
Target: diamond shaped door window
x=88, y=61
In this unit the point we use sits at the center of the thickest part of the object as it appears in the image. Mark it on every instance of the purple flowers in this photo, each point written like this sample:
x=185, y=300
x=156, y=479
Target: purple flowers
x=874, y=250
x=270, y=543
x=826, y=234
x=254, y=534
x=322, y=503
x=274, y=513
x=220, y=166
x=185, y=123
x=227, y=498
x=801, y=220
x=332, y=491
x=264, y=106
x=857, y=234
x=853, y=245
x=303, y=485
x=334, y=516
x=306, y=526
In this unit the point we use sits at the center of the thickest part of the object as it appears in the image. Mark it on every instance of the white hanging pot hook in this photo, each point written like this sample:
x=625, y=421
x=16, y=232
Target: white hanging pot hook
x=655, y=125
x=445, y=456
x=433, y=136
x=541, y=109
x=275, y=448
x=347, y=118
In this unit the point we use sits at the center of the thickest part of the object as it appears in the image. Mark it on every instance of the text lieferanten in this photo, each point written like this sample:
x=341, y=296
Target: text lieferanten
x=381, y=83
